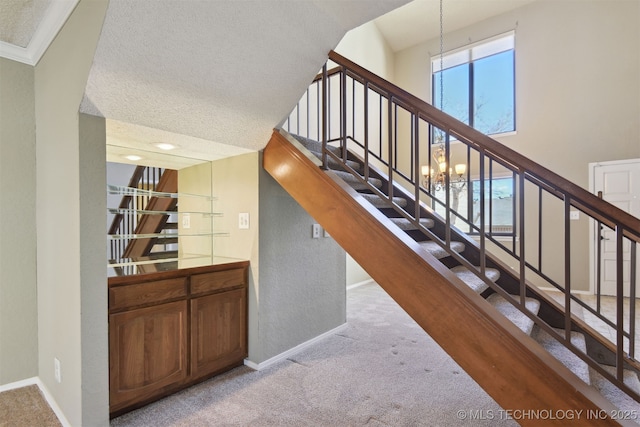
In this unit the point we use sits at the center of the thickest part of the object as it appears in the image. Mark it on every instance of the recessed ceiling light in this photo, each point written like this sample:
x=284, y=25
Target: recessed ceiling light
x=165, y=146
x=133, y=157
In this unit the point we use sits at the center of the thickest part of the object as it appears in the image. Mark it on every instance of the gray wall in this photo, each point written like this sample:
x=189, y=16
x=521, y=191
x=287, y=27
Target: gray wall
x=70, y=188
x=93, y=271
x=18, y=297
x=301, y=292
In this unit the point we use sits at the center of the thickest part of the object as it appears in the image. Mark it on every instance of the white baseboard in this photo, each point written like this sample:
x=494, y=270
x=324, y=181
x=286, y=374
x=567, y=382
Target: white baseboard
x=19, y=384
x=45, y=392
x=275, y=359
x=52, y=403
x=364, y=282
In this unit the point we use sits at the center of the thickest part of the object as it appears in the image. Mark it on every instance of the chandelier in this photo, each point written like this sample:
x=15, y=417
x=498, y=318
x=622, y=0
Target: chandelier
x=437, y=180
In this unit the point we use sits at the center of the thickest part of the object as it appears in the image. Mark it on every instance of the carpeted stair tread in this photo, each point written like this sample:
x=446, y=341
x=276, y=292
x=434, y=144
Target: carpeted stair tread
x=473, y=281
x=620, y=399
x=437, y=251
x=517, y=317
x=355, y=183
x=316, y=146
x=381, y=203
x=563, y=354
x=407, y=225
x=334, y=164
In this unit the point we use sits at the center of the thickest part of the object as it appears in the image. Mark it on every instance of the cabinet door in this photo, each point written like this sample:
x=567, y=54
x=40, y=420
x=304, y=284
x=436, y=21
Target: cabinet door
x=147, y=353
x=218, y=332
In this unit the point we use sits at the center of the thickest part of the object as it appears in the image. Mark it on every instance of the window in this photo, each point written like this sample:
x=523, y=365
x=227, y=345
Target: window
x=499, y=205
x=478, y=84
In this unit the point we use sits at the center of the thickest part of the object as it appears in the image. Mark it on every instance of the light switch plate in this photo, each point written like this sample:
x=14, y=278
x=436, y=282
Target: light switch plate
x=243, y=220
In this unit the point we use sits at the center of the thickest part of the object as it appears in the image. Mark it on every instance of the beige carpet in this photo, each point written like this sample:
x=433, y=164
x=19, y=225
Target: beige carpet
x=382, y=370
x=26, y=407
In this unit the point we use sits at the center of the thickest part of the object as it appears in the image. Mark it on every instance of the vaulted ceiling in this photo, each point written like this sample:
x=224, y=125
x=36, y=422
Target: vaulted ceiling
x=213, y=77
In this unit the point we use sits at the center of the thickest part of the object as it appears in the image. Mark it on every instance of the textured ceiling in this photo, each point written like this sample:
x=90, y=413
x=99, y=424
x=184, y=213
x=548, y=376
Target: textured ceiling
x=19, y=20
x=215, y=76
x=27, y=27
x=223, y=71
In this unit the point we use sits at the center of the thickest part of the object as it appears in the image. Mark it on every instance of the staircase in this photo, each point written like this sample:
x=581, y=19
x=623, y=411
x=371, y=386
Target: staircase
x=141, y=231
x=433, y=260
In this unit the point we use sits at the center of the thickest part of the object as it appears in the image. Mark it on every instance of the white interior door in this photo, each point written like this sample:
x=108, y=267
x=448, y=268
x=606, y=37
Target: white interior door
x=620, y=185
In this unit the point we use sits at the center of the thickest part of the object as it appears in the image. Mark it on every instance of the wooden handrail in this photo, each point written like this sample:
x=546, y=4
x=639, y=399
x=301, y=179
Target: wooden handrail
x=462, y=322
x=524, y=172
x=601, y=210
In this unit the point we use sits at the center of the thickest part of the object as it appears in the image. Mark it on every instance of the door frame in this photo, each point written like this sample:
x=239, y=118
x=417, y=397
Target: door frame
x=592, y=227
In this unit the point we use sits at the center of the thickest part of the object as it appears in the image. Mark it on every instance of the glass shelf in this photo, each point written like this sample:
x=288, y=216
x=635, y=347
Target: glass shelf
x=166, y=235
x=159, y=261
x=131, y=191
x=169, y=238
x=123, y=211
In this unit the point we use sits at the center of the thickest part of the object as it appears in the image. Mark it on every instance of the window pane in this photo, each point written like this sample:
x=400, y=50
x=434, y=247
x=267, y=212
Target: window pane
x=456, y=92
x=494, y=93
x=500, y=206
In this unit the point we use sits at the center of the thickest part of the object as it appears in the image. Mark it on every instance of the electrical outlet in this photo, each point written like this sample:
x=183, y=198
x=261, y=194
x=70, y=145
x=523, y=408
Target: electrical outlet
x=315, y=231
x=186, y=220
x=57, y=373
x=574, y=215
x=243, y=220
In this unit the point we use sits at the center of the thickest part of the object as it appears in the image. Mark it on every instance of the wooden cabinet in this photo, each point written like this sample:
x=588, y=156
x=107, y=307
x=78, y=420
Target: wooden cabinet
x=170, y=330
x=218, y=331
x=148, y=352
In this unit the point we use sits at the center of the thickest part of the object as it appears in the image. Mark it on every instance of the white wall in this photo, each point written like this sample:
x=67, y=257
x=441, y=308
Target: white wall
x=195, y=250
x=577, y=91
x=72, y=306
x=236, y=187
x=577, y=80
x=366, y=46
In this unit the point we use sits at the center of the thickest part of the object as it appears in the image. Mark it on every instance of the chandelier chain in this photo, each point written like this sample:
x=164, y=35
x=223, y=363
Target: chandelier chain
x=441, y=58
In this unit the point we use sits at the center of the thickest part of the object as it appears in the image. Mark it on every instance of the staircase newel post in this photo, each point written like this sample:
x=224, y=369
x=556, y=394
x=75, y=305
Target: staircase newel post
x=325, y=106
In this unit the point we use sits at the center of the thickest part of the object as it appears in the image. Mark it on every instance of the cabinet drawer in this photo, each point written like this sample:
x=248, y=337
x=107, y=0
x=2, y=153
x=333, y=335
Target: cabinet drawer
x=146, y=293
x=209, y=282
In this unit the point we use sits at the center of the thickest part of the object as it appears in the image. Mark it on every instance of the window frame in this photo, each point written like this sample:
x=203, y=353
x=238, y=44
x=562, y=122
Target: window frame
x=469, y=54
